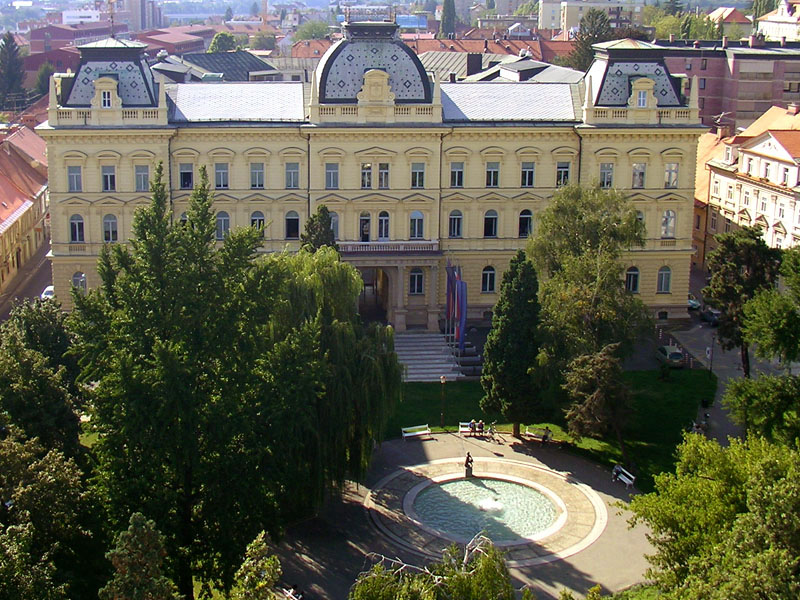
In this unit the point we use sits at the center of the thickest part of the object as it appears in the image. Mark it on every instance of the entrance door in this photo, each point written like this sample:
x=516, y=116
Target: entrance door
x=363, y=226
x=373, y=301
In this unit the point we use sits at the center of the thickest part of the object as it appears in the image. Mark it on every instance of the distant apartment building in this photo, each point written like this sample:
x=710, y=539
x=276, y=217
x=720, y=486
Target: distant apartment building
x=145, y=14
x=621, y=13
x=550, y=14
x=75, y=17
x=53, y=37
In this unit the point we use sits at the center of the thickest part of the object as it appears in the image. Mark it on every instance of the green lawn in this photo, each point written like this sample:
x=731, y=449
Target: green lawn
x=662, y=410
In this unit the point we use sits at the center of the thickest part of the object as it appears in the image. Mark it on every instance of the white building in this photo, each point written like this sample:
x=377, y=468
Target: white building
x=76, y=17
x=783, y=22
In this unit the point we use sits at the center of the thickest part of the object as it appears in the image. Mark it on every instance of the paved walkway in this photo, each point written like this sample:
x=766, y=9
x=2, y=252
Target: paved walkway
x=324, y=555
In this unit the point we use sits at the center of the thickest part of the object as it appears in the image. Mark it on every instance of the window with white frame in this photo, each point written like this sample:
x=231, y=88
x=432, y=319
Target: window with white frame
x=671, y=175
x=632, y=280
x=487, y=280
x=186, y=176
x=713, y=223
x=223, y=225
x=292, y=222
x=606, y=175
x=727, y=225
x=292, y=175
x=110, y=229
x=730, y=192
x=416, y=282
x=749, y=166
x=664, y=284
x=383, y=226
x=417, y=175
x=79, y=282
x=74, y=178
x=105, y=99
x=454, y=224
x=141, y=174
x=525, y=223
x=383, y=176
x=76, y=229
x=366, y=176
x=767, y=168
x=257, y=220
x=335, y=224
x=746, y=198
x=331, y=176
x=763, y=206
x=364, y=222
x=715, y=187
x=728, y=154
x=781, y=211
x=108, y=176
x=639, y=170
x=784, y=176
x=668, y=224
x=641, y=99
x=257, y=172
x=492, y=174
x=562, y=173
x=528, y=174
x=221, y=180
x=457, y=174
x=416, y=226
x=490, y=224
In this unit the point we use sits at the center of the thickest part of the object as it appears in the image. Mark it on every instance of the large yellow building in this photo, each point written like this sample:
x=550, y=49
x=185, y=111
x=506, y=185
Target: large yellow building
x=416, y=172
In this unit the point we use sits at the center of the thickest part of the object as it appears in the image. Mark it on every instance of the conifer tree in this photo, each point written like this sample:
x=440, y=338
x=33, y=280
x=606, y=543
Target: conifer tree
x=448, y=25
x=319, y=231
x=594, y=29
x=11, y=69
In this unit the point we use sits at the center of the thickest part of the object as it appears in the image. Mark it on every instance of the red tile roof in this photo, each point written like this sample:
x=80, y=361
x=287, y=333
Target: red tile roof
x=28, y=143
x=13, y=202
x=18, y=170
x=790, y=140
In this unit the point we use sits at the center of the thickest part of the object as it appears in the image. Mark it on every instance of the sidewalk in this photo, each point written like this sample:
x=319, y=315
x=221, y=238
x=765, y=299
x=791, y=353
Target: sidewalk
x=22, y=277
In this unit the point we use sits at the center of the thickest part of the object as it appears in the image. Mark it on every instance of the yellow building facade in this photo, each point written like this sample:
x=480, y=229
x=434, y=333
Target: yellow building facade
x=416, y=173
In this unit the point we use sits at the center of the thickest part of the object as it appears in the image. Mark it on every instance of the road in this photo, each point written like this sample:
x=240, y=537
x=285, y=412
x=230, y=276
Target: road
x=34, y=276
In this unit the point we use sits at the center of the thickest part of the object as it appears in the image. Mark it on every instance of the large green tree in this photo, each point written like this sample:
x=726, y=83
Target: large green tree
x=311, y=30
x=509, y=356
x=12, y=73
x=673, y=7
x=594, y=28
x=319, y=231
x=43, y=78
x=263, y=41
x=448, y=24
x=259, y=573
x=766, y=406
x=741, y=266
x=762, y=7
x=222, y=42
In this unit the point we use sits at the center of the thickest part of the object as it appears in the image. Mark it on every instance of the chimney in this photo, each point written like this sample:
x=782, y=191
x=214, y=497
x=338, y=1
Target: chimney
x=752, y=41
x=671, y=37
x=793, y=108
x=724, y=41
x=485, y=45
x=723, y=131
x=783, y=41
x=474, y=63
x=453, y=77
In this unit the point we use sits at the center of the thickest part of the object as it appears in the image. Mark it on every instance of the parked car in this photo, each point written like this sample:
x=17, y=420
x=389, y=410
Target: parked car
x=670, y=355
x=693, y=302
x=711, y=316
x=48, y=293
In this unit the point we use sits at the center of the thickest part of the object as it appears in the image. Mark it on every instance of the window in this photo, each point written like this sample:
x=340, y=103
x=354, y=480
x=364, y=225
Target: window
x=363, y=226
x=528, y=174
x=292, y=225
x=79, y=282
x=728, y=154
x=632, y=280
x=417, y=175
x=383, y=176
x=730, y=192
x=221, y=176
x=702, y=83
x=186, y=176
x=671, y=175
x=697, y=221
x=703, y=64
x=457, y=174
x=763, y=207
x=335, y=224
x=257, y=220
x=778, y=242
x=109, y=229
x=415, y=282
x=454, y=224
x=492, y=174
x=767, y=168
x=749, y=166
x=141, y=175
x=383, y=226
x=331, y=176
x=781, y=212
x=366, y=176
x=74, y=179
x=562, y=173
x=416, y=228
x=639, y=170
x=664, y=280
x=490, y=224
x=525, y=223
x=746, y=198
x=715, y=187
x=105, y=99
x=713, y=224
x=223, y=225
x=292, y=171
x=108, y=174
x=641, y=99
x=606, y=175
x=727, y=225
x=668, y=224
x=487, y=280
x=785, y=176
x=76, y=229
x=257, y=176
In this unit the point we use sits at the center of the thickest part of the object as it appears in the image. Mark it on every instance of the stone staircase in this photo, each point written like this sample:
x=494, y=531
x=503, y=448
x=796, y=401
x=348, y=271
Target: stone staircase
x=426, y=356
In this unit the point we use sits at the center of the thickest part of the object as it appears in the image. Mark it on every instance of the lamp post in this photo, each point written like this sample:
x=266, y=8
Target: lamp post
x=711, y=354
x=442, y=380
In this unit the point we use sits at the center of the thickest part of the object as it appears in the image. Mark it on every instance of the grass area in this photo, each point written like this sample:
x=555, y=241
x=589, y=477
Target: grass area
x=662, y=410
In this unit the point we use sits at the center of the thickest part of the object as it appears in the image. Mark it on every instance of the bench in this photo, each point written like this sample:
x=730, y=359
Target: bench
x=619, y=473
x=416, y=431
x=463, y=427
x=538, y=435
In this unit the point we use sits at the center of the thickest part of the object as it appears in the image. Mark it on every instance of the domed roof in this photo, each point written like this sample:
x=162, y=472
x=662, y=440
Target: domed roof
x=371, y=45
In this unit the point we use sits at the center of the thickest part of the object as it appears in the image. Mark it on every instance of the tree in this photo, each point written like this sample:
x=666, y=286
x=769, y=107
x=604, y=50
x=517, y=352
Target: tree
x=528, y=8
x=12, y=72
x=259, y=573
x=254, y=8
x=448, y=24
x=319, y=231
x=43, y=78
x=228, y=15
x=600, y=398
x=137, y=557
x=673, y=7
x=311, y=30
x=263, y=41
x=594, y=28
x=489, y=4
x=762, y=7
x=23, y=575
x=767, y=406
x=668, y=25
x=222, y=42
x=512, y=345
x=741, y=266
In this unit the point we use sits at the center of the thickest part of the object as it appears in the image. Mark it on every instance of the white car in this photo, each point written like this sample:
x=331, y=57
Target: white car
x=48, y=293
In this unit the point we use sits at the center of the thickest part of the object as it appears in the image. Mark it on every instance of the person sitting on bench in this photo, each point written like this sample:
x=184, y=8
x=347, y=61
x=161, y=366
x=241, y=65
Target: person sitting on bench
x=472, y=426
x=480, y=427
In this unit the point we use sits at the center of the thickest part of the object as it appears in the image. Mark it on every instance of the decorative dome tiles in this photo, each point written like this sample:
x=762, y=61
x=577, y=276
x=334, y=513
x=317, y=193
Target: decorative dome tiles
x=616, y=89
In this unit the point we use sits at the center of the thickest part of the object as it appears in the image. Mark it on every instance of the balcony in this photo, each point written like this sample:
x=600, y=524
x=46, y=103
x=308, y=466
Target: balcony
x=398, y=247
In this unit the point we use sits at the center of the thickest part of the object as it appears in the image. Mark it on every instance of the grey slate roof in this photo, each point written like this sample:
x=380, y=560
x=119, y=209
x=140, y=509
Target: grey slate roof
x=445, y=62
x=262, y=101
x=498, y=101
x=234, y=66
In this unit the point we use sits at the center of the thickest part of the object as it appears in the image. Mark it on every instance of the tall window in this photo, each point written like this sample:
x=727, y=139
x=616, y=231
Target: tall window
x=746, y=198
x=487, y=280
x=671, y=175
x=492, y=174
x=749, y=166
x=784, y=176
x=416, y=282
x=383, y=226
x=668, y=224
x=186, y=176
x=715, y=187
x=223, y=225
x=606, y=175
x=79, y=282
x=108, y=175
x=257, y=220
x=664, y=280
x=528, y=174
x=363, y=226
x=331, y=176
x=713, y=223
x=767, y=169
x=257, y=176
x=335, y=224
x=562, y=173
x=632, y=280
x=292, y=171
x=457, y=174
x=141, y=175
x=74, y=179
x=490, y=224
x=525, y=223
x=417, y=175
x=641, y=99
x=76, y=228
x=383, y=176
x=639, y=170
x=221, y=176
x=105, y=99
x=109, y=229
x=454, y=224
x=366, y=176
x=416, y=229
x=292, y=225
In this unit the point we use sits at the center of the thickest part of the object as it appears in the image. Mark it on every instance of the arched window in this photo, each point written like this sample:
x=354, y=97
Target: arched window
x=632, y=280
x=668, y=224
x=454, y=225
x=416, y=282
x=110, y=229
x=525, y=223
x=76, y=229
x=79, y=281
x=334, y=224
x=257, y=221
x=383, y=226
x=416, y=229
x=223, y=225
x=490, y=224
x=664, y=280
x=364, y=222
x=292, y=225
x=487, y=280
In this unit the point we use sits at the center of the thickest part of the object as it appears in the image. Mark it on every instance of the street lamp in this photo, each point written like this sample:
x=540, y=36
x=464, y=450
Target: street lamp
x=442, y=380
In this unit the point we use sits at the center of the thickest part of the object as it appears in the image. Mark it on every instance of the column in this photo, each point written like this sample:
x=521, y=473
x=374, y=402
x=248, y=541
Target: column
x=433, y=299
x=399, y=308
